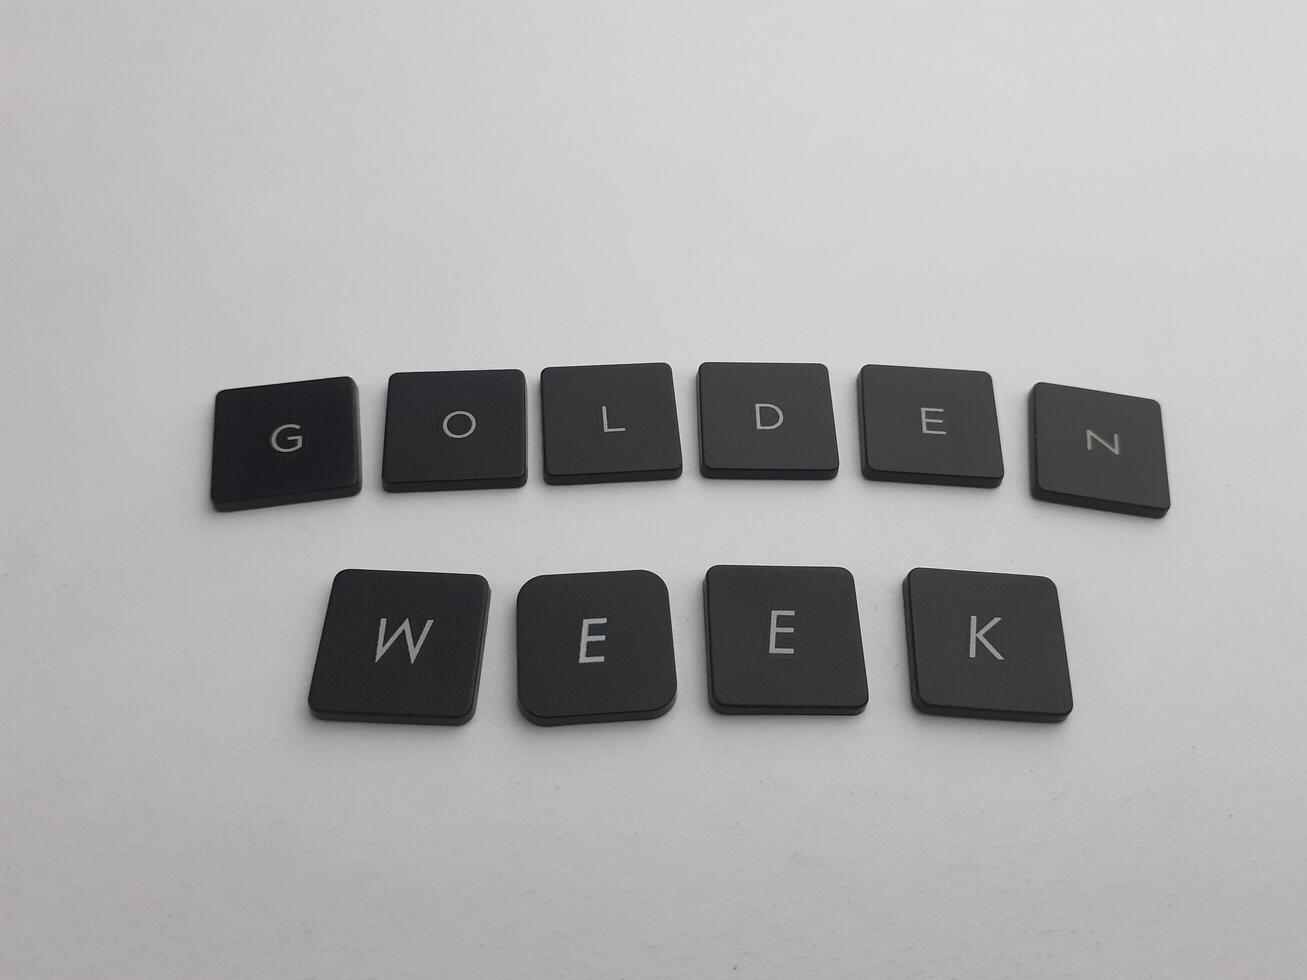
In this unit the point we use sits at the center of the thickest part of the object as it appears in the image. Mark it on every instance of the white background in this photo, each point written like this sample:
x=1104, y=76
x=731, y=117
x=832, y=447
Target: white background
x=201, y=196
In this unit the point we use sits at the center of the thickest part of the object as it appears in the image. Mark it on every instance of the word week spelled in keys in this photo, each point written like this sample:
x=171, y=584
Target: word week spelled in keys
x=466, y=430
x=597, y=646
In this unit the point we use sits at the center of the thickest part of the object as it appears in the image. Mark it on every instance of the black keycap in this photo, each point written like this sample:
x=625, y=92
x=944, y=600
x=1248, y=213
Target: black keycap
x=928, y=425
x=610, y=423
x=986, y=645
x=1096, y=449
x=766, y=422
x=455, y=430
x=595, y=646
x=401, y=647
x=285, y=443
x=784, y=641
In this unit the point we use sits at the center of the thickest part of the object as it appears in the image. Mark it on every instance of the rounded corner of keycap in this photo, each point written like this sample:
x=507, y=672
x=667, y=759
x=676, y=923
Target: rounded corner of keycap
x=922, y=704
x=720, y=706
x=664, y=706
x=543, y=721
x=714, y=571
x=530, y=585
x=316, y=709
x=1039, y=491
x=652, y=577
x=1051, y=586
x=710, y=472
x=845, y=574
x=344, y=575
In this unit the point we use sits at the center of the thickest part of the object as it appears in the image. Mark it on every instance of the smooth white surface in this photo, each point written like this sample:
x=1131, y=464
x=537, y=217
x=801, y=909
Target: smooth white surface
x=199, y=196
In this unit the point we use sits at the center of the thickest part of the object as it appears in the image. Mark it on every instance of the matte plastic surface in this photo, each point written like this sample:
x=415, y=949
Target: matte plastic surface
x=986, y=645
x=766, y=422
x=401, y=647
x=783, y=640
x=609, y=423
x=1098, y=450
x=594, y=646
x=285, y=444
x=455, y=430
x=929, y=425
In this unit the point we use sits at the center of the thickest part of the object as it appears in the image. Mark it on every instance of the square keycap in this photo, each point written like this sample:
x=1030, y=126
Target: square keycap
x=929, y=425
x=766, y=422
x=1096, y=449
x=986, y=645
x=595, y=646
x=401, y=647
x=610, y=423
x=285, y=443
x=784, y=641
x=455, y=430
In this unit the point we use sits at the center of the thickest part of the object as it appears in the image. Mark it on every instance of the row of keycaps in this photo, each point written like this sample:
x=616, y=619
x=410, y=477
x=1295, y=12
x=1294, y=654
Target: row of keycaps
x=448, y=430
x=591, y=647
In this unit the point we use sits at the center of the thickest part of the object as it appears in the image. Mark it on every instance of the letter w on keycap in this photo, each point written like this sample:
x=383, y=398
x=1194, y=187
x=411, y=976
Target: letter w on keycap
x=384, y=644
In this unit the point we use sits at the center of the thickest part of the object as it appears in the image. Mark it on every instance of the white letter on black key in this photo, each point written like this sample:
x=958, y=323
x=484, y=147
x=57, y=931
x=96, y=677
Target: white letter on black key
x=383, y=644
x=1113, y=447
x=587, y=638
x=980, y=635
x=772, y=647
x=757, y=417
x=471, y=425
x=293, y=442
x=604, y=410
